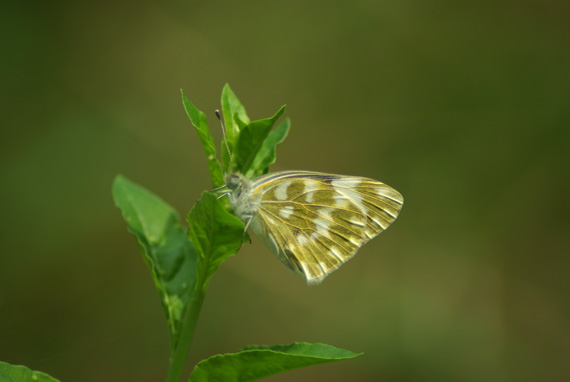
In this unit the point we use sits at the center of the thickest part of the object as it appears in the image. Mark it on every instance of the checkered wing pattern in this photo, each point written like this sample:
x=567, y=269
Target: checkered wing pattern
x=315, y=222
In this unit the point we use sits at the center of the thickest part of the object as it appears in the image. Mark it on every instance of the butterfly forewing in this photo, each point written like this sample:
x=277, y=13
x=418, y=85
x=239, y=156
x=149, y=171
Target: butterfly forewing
x=314, y=222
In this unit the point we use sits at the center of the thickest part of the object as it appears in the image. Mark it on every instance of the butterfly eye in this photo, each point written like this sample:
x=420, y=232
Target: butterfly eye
x=232, y=182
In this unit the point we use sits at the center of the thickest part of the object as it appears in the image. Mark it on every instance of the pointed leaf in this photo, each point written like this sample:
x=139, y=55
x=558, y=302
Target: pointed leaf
x=250, y=141
x=233, y=111
x=15, y=373
x=166, y=250
x=256, y=362
x=216, y=233
x=199, y=121
x=235, y=118
x=267, y=153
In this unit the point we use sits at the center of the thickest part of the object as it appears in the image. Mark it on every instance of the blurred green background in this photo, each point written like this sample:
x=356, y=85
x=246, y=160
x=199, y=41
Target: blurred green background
x=464, y=107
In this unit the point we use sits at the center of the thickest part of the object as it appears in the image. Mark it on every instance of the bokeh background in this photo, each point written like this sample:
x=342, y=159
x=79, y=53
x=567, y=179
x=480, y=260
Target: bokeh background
x=464, y=107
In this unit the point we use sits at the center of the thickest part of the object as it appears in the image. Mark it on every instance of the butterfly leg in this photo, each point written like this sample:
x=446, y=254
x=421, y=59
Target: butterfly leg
x=221, y=191
x=244, y=232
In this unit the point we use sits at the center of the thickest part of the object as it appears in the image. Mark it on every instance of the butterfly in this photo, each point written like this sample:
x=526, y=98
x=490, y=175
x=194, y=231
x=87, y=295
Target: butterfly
x=313, y=222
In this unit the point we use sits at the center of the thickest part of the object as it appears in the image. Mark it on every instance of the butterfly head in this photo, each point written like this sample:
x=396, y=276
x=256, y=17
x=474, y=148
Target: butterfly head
x=239, y=190
x=233, y=181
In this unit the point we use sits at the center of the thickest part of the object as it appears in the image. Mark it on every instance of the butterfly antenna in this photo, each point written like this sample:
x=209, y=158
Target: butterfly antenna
x=223, y=125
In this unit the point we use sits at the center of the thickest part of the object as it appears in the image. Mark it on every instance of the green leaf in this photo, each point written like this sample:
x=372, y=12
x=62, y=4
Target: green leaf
x=216, y=233
x=251, y=139
x=235, y=118
x=256, y=362
x=199, y=121
x=267, y=153
x=233, y=111
x=13, y=373
x=166, y=250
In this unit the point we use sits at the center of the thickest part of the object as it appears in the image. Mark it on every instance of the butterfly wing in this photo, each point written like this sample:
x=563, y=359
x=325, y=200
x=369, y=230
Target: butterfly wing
x=315, y=222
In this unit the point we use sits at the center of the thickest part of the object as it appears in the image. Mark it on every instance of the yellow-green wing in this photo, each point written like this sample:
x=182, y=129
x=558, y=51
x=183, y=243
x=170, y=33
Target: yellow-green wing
x=315, y=222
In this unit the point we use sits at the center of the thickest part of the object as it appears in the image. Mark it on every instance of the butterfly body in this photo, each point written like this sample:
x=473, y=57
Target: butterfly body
x=313, y=222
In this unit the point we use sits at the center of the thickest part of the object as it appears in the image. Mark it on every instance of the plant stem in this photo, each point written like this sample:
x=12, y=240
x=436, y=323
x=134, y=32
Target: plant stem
x=178, y=355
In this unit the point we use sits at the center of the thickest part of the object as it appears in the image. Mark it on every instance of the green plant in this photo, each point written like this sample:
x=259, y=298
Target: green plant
x=182, y=267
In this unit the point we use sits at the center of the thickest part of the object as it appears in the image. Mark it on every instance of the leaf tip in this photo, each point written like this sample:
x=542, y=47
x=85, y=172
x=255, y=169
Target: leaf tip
x=117, y=181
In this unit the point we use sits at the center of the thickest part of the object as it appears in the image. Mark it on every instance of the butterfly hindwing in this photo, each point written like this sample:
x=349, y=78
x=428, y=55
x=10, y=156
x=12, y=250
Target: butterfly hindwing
x=315, y=222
